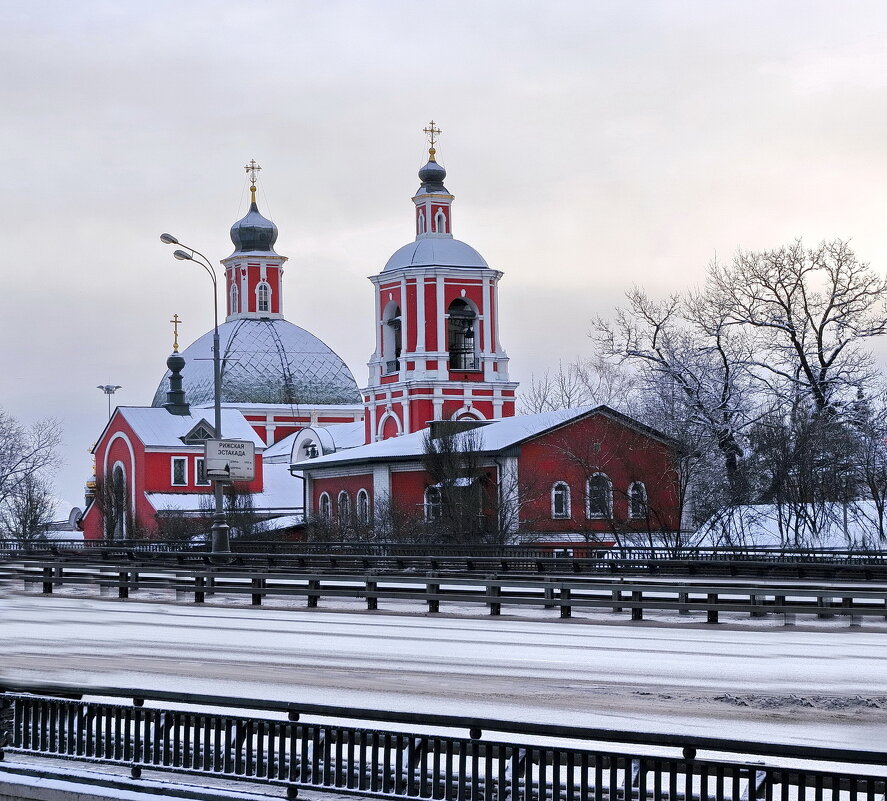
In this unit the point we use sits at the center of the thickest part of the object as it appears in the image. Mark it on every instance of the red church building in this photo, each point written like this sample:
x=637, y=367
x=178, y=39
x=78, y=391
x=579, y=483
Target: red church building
x=439, y=371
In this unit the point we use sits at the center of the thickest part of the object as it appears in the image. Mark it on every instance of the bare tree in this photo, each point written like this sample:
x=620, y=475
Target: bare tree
x=28, y=510
x=25, y=456
x=581, y=382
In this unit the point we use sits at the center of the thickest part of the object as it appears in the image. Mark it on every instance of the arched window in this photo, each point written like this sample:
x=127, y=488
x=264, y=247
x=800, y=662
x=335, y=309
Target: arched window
x=599, y=497
x=461, y=335
x=263, y=297
x=344, y=508
x=433, y=504
x=235, y=299
x=325, y=506
x=440, y=222
x=560, y=500
x=420, y=223
x=391, y=338
x=363, y=507
x=637, y=500
x=116, y=526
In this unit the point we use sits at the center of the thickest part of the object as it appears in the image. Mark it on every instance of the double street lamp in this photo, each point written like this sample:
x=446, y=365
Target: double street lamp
x=220, y=539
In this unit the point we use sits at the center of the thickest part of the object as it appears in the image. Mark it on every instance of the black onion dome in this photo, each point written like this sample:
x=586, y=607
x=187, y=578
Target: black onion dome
x=432, y=177
x=254, y=233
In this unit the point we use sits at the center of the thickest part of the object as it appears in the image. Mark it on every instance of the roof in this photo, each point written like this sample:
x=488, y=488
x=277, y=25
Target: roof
x=332, y=437
x=495, y=436
x=158, y=428
x=435, y=251
x=281, y=492
x=265, y=361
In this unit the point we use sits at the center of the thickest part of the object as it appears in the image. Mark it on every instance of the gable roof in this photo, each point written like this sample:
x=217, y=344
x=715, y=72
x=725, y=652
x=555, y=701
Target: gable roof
x=492, y=437
x=157, y=428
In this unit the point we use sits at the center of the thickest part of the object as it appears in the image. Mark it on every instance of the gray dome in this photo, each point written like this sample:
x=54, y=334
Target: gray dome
x=254, y=233
x=432, y=251
x=265, y=361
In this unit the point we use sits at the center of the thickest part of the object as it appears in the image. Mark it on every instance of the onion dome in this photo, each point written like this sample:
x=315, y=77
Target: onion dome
x=265, y=361
x=432, y=176
x=254, y=233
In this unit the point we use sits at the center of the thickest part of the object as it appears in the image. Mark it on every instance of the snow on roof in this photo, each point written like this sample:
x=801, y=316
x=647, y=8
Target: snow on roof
x=281, y=492
x=494, y=436
x=435, y=252
x=278, y=523
x=156, y=427
x=283, y=448
x=333, y=437
x=828, y=525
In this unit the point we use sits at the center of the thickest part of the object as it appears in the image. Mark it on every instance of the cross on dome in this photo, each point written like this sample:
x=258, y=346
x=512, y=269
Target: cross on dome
x=176, y=322
x=432, y=132
x=253, y=169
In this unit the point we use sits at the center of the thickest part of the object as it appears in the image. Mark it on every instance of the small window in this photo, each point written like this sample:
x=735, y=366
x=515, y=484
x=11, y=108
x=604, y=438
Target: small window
x=420, y=225
x=433, y=504
x=263, y=297
x=235, y=299
x=560, y=501
x=637, y=500
x=179, y=472
x=200, y=478
x=363, y=507
x=440, y=222
x=344, y=508
x=600, y=496
x=325, y=506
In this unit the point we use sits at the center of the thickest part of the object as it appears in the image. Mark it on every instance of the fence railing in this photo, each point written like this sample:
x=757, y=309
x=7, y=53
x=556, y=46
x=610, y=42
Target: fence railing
x=494, y=591
x=419, y=756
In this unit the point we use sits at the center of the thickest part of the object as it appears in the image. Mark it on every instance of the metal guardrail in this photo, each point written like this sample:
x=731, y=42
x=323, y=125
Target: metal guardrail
x=565, y=593
x=396, y=756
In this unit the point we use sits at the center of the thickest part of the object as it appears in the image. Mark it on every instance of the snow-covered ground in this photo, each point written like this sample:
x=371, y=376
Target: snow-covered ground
x=823, y=687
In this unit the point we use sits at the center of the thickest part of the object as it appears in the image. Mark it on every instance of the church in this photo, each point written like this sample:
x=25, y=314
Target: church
x=330, y=454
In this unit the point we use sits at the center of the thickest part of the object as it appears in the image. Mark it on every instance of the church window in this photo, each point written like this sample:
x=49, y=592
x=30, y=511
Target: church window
x=637, y=499
x=433, y=504
x=116, y=522
x=440, y=222
x=263, y=297
x=391, y=339
x=560, y=501
x=600, y=497
x=344, y=508
x=200, y=478
x=325, y=506
x=363, y=507
x=179, y=471
x=461, y=338
x=235, y=299
x=420, y=224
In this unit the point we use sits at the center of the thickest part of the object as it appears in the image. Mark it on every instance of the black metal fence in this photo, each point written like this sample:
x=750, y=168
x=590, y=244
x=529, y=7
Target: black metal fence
x=706, y=597
x=271, y=745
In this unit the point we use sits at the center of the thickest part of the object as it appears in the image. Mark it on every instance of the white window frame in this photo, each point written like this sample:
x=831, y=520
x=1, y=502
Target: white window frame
x=645, y=501
x=609, y=499
x=430, y=505
x=263, y=288
x=362, y=507
x=343, y=507
x=172, y=471
x=440, y=217
x=567, y=513
x=325, y=506
x=198, y=461
x=235, y=299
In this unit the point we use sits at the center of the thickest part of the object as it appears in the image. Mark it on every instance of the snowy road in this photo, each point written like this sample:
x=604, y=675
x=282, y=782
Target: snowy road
x=825, y=687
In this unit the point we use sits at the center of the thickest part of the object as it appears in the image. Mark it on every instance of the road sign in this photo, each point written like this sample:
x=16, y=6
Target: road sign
x=230, y=460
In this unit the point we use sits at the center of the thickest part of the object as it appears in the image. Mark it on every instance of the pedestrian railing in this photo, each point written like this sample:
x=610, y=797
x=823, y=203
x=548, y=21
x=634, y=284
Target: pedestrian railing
x=493, y=591
x=418, y=756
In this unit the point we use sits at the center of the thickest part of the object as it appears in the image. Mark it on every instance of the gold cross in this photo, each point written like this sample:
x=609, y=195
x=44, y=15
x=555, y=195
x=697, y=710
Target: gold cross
x=175, y=332
x=432, y=132
x=253, y=169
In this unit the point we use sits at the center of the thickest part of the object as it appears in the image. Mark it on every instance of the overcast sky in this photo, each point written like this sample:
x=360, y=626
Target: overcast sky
x=590, y=145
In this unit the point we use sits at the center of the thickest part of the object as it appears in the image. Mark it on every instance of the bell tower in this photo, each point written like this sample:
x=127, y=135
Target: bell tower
x=438, y=354
x=254, y=272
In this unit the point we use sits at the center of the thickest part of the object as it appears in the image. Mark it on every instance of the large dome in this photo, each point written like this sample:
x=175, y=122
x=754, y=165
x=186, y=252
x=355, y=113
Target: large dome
x=265, y=361
x=432, y=251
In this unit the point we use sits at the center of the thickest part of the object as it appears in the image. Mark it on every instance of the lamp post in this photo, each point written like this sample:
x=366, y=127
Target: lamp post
x=109, y=390
x=220, y=540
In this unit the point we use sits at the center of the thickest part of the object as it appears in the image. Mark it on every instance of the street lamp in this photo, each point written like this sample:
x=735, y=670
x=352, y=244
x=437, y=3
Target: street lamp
x=220, y=539
x=109, y=390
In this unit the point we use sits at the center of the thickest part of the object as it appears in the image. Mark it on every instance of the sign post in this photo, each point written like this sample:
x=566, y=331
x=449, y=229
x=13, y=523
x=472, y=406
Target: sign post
x=230, y=460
